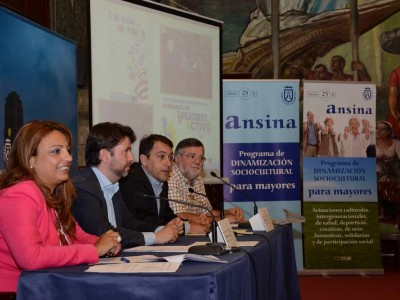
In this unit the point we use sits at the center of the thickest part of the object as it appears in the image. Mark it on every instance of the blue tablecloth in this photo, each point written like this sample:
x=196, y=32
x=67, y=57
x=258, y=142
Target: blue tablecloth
x=266, y=271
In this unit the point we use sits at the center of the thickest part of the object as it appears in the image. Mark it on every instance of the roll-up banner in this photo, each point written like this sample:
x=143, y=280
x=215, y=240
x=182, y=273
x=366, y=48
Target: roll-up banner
x=341, y=231
x=261, y=150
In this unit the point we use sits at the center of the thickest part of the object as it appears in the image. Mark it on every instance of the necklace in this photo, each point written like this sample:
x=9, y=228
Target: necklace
x=62, y=236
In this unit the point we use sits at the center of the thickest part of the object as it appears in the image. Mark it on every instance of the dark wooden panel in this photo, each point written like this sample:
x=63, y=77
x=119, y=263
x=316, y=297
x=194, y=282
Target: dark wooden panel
x=215, y=194
x=35, y=10
x=18, y=6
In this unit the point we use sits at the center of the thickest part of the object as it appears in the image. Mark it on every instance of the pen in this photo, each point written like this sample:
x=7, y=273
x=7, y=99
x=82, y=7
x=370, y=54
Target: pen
x=125, y=260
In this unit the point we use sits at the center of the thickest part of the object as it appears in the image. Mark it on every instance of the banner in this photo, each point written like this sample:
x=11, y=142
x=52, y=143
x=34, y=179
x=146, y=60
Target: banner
x=339, y=176
x=261, y=148
x=36, y=84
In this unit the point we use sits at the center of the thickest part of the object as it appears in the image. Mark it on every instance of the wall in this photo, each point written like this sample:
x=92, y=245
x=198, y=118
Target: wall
x=69, y=18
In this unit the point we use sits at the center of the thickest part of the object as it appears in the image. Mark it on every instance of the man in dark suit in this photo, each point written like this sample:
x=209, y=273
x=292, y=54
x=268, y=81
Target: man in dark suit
x=99, y=206
x=150, y=177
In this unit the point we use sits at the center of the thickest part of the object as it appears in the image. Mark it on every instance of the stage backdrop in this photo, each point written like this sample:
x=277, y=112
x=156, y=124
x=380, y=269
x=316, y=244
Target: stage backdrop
x=37, y=78
x=261, y=148
x=340, y=194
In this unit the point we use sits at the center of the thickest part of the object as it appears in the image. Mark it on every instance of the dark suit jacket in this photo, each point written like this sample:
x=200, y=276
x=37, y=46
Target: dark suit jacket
x=90, y=211
x=144, y=208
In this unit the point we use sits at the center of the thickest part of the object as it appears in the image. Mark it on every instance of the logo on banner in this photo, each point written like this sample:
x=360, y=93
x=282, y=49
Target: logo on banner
x=288, y=95
x=324, y=94
x=244, y=93
x=367, y=94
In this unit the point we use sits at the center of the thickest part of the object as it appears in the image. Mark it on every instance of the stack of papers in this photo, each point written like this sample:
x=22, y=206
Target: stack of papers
x=152, y=258
x=148, y=263
x=154, y=267
x=158, y=248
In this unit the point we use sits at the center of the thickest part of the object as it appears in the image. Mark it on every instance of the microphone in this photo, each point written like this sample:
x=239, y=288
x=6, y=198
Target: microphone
x=191, y=190
x=212, y=248
x=255, y=210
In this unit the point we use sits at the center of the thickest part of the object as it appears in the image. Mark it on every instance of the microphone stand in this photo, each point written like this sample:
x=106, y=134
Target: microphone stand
x=213, y=223
x=191, y=190
x=222, y=210
x=212, y=248
x=255, y=208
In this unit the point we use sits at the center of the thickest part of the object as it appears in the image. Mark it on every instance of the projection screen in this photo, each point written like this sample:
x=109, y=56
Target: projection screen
x=158, y=70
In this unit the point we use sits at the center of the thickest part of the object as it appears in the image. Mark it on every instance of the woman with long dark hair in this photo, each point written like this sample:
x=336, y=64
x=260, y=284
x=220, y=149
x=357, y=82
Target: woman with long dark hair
x=37, y=228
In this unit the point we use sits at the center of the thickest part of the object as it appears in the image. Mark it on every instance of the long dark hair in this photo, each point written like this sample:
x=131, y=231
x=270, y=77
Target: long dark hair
x=18, y=169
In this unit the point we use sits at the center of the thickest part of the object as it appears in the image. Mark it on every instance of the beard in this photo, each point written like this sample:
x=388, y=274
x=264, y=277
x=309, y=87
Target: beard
x=122, y=172
x=192, y=174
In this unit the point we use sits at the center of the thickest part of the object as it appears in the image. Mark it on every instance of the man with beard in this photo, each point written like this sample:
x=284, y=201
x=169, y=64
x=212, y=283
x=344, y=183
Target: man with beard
x=99, y=206
x=189, y=160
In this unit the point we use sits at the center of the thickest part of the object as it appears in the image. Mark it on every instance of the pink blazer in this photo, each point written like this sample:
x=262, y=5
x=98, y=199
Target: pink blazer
x=29, y=239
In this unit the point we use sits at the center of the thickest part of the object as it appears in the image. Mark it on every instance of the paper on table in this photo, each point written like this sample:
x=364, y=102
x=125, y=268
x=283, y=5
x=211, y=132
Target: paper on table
x=158, y=249
x=239, y=244
x=193, y=257
x=128, y=259
x=152, y=258
x=247, y=243
x=153, y=267
x=242, y=231
x=195, y=234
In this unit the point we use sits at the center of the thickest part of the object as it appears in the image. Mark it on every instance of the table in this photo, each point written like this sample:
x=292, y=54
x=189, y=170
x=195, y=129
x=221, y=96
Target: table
x=266, y=271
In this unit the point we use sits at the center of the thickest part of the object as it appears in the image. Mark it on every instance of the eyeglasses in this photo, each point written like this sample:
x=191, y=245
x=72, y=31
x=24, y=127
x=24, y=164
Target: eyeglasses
x=192, y=157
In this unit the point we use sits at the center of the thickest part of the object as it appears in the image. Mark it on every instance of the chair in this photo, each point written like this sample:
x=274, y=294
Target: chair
x=389, y=219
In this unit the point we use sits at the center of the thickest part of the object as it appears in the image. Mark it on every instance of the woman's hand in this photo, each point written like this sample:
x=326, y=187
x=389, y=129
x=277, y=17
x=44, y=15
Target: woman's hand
x=109, y=243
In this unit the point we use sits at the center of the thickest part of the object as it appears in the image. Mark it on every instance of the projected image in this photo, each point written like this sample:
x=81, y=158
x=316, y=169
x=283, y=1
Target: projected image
x=127, y=114
x=188, y=56
x=157, y=70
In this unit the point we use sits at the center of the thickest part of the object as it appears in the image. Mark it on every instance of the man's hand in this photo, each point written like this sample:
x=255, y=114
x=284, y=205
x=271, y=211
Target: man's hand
x=203, y=220
x=198, y=228
x=168, y=234
x=234, y=214
x=178, y=223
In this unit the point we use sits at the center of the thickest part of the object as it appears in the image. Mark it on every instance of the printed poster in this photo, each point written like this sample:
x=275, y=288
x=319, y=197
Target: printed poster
x=339, y=176
x=261, y=151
